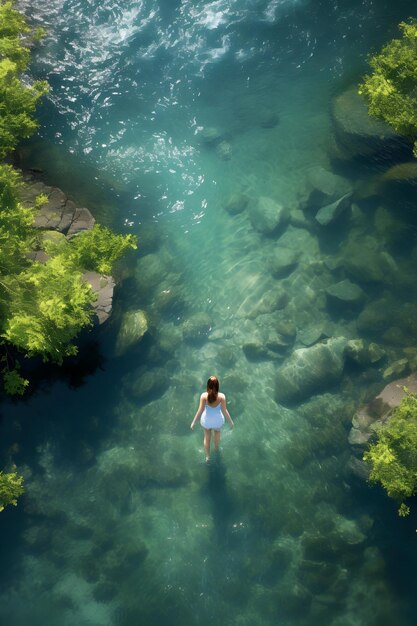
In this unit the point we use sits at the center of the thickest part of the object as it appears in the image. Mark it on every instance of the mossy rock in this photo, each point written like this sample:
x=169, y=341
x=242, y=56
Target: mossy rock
x=132, y=330
x=360, y=134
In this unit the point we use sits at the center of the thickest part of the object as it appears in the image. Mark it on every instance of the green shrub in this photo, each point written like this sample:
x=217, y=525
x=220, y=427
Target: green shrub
x=98, y=249
x=11, y=487
x=393, y=457
x=17, y=100
x=391, y=89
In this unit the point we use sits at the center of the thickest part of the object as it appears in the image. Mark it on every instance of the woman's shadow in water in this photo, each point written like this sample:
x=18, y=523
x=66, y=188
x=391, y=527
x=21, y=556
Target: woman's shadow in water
x=222, y=504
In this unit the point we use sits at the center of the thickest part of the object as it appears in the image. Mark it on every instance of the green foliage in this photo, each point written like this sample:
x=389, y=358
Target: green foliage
x=51, y=303
x=393, y=458
x=43, y=306
x=11, y=487
x=98, y=249
x=17, y=235
x=17, y=100
x=391, y=89
x=14, y=384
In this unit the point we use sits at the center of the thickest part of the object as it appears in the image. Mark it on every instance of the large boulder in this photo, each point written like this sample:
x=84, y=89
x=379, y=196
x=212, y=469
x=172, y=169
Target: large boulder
x=267, y=216
x=310, y=370
x=132, y=329
x=356, y=131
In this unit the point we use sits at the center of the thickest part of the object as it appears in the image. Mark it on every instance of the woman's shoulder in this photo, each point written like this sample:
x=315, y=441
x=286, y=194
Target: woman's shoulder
x=204, y=395
x=222, y=396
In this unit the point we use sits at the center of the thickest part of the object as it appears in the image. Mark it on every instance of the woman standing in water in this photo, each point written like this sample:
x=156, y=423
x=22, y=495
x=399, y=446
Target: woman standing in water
x=212, y=410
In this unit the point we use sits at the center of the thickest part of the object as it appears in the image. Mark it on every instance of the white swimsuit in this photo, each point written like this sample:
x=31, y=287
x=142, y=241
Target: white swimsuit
x=212, y=417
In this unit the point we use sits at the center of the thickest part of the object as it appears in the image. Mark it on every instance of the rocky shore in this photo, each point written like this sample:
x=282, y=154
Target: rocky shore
x=59, y=217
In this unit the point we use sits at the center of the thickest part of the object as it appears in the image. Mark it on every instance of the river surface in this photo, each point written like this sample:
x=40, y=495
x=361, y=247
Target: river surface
x=161, y=116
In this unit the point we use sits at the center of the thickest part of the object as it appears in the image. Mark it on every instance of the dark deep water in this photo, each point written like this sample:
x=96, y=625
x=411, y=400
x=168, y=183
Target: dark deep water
x=160, y=113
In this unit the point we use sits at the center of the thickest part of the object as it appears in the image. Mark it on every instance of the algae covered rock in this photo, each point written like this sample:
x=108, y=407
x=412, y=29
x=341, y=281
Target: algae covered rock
x=309, y=370
x=267, y=215
x=132, y=329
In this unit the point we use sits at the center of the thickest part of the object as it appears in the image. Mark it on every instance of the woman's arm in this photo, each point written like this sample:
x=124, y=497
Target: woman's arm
x=226, y=412
x=199, y=411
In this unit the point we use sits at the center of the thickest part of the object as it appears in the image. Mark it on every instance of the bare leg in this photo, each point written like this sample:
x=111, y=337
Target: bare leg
x=216, y=440
x=207, y=439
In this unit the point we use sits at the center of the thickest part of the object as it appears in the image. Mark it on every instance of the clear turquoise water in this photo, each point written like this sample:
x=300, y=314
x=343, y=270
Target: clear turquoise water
x=122, y=522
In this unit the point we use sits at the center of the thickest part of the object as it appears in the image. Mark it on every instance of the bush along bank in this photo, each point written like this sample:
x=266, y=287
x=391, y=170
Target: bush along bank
x=391, y=431
x=52, y=262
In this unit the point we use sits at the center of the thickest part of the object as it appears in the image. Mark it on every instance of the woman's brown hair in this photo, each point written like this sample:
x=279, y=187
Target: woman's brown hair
x=212, y=389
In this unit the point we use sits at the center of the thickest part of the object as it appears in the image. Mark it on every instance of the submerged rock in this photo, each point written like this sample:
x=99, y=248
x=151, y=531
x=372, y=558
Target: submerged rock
x=397, y=368
x=271, y=300
x=310, y=335
x=366, y=261
x=147, y=385
x=326, y=187
x=236, y=204
x=210, y=135
x=269, y=120
x=150, y=271
x=132, y=329
x=377, y=316
x=283, y=261
x=329, y=213
x=358, y=133
x=267, y=215
x=309, y=370
x=224, y=150
x=196, y=328
x=345, y=292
